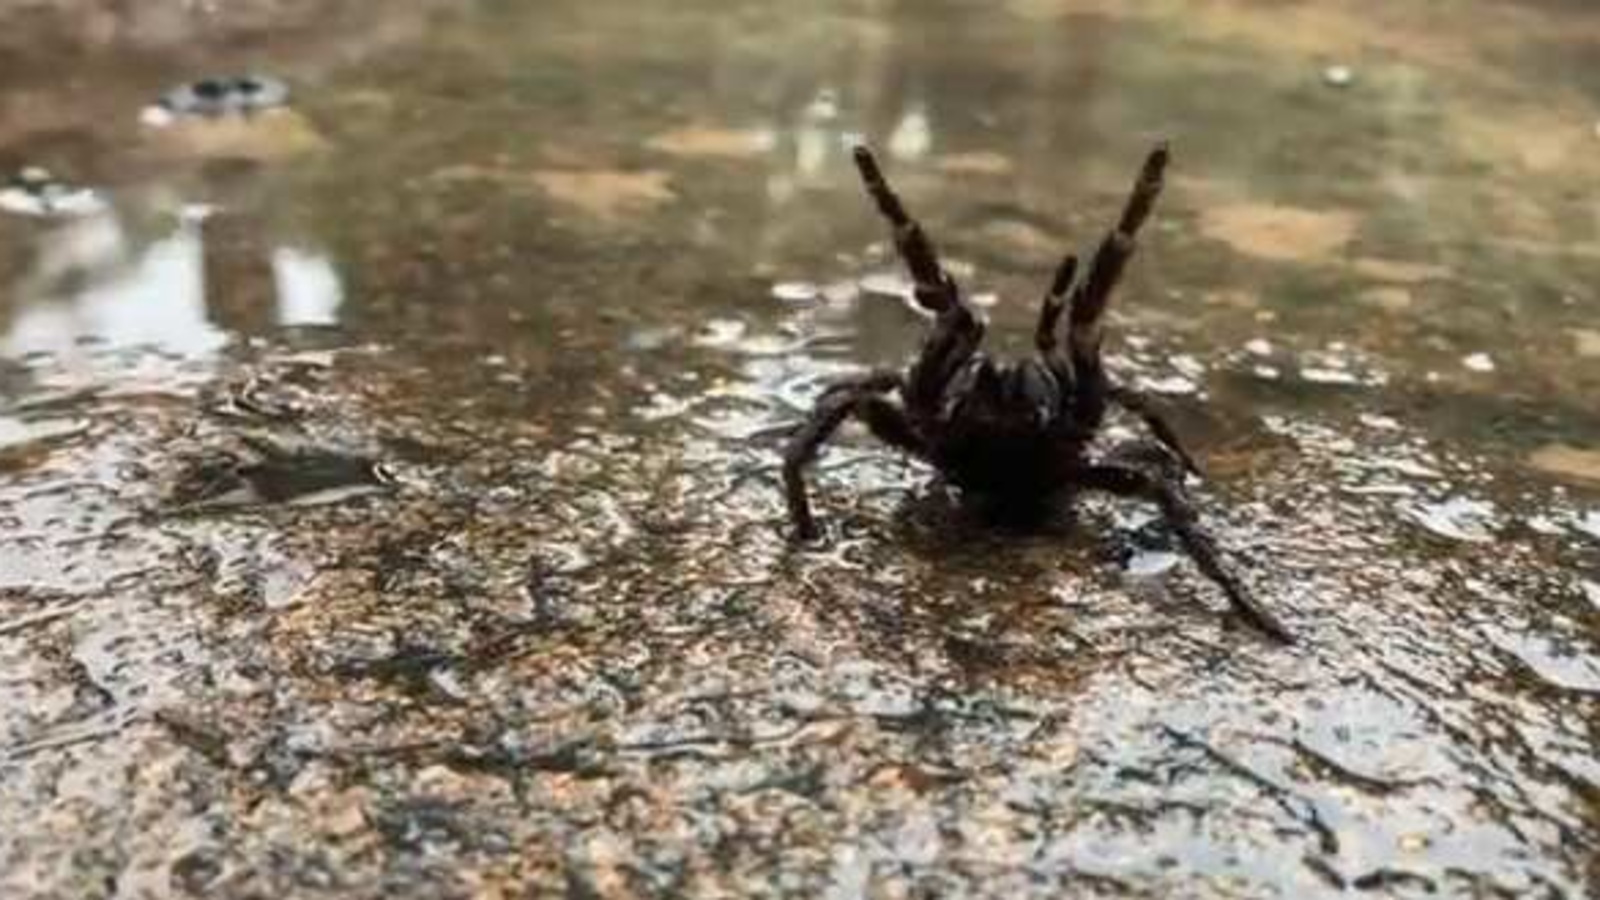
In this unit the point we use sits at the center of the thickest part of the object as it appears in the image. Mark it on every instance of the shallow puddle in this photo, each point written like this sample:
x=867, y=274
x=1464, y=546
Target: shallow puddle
x=388, y=482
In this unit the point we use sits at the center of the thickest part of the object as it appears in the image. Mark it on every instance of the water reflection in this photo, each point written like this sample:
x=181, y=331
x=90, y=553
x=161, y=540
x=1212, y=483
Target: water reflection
x=308, y=288
x=91, y=285
x=96, y=284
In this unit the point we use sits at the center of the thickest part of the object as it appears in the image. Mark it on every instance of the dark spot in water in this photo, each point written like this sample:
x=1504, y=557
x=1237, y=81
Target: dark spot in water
x=234, y=95
x=210, y=89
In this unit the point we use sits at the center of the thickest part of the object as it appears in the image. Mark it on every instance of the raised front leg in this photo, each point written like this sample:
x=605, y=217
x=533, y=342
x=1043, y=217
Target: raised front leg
x=956, y=336
x=1180, y=514
x=1092, y=295
x=1050, y=310
x=957, y=330
x=862, y=397
x=935, y=288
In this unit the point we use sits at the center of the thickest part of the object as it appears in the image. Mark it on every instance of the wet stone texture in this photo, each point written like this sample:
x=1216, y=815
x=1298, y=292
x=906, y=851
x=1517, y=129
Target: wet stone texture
x=388, y=497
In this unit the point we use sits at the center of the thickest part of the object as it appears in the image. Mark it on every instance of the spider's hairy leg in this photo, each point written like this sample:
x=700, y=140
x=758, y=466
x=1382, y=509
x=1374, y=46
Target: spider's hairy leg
x=861, y=397
x=957, y=333
x=935, y=289
x=1050, y=309
x=1180, y=514
x=957, y=330
x=1155, y=420
x=1091, y=296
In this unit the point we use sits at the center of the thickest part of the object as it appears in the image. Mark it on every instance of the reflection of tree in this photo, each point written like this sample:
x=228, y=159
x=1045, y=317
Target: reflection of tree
x=921, y=81
x=122, y=54
x=119, y=56
x=241, y=293
x=94, y=278
x=186, y=287
x=583, y=87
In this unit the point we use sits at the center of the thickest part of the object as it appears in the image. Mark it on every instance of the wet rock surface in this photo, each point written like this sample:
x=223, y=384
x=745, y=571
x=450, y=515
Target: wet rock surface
x=401, y=520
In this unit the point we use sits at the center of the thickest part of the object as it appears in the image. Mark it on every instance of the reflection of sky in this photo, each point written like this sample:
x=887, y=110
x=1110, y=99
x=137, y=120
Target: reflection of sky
x=155, y=300
x=825, y=129
x=309, y=292
x=88, y=284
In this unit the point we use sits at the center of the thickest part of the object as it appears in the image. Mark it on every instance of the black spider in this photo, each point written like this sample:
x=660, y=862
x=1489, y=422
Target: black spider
x=1018, y=433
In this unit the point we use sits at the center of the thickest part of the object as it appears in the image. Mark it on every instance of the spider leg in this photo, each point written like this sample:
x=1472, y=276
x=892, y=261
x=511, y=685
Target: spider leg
x=888, y=423
x=877, y=381
x=935, y=288
x=862, y=398
x=1045, y=334
x=955, y=338
x=1167, y=493
x=957, y=330
x=1155, y=420
x=1091, y=295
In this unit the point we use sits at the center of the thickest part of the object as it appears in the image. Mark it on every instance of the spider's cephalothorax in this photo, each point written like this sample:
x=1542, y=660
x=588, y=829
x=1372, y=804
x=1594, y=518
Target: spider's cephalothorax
x=1019, y=432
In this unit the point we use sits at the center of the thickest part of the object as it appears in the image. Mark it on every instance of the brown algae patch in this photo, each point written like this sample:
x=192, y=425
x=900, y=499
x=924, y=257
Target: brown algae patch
x=1472, y=43
x=1542, y=142
x=1280, y=233
x=1024, y=237
x=1388, y=298
x=271, y=136
x=712, y=141
x=1399, y=271
x=976, y=162
x=606, y=193
x=1568, y=463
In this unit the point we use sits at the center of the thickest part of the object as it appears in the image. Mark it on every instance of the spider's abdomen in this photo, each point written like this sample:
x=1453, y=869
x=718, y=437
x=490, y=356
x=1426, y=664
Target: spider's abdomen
x=1008, y=465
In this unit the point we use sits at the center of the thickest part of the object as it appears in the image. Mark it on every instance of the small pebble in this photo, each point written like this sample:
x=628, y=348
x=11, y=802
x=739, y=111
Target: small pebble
x=1318, y=375
x=1259, y=347
x=795, y=291
x=1479, y=362
x=1149, y=563
x=34, y=191
x=1187, y=365
x=720, y=333
x=1172, y=385
x=1545, y=525
x=1338, y=76
x=156, y=116
x=1457, y=518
